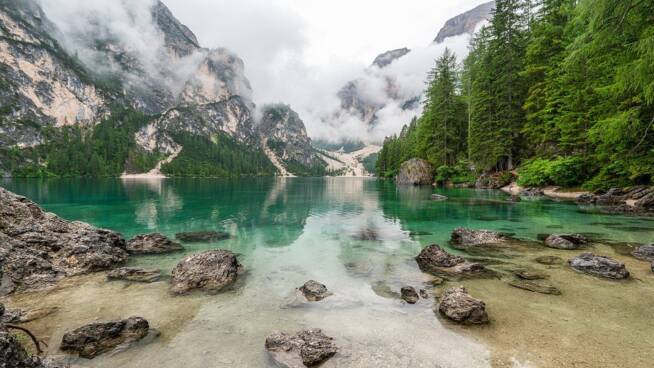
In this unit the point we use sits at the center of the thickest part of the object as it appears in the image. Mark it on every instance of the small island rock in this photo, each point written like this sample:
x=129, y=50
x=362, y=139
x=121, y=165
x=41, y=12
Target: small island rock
x=599, y=266
x=314, y=291
x=457, y=305
x=307, y=348
x=211, y=271
x=96, y=338
x=415, y=172
x=154, y=243
x=409, y=294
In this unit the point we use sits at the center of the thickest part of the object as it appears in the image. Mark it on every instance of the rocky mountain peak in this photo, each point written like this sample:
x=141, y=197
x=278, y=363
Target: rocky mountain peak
x=466, y=22
x=178, y=37
x=386, y=58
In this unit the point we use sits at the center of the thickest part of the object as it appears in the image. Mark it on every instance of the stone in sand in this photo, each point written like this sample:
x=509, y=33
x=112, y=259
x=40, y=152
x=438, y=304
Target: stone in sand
x=96, y=338
x=154, y=243
x=535, y=286
x=566, y=241
x=409, y=294
x=457, y=305
x=314, y=291
x=201, y=236
x=435, y=260
x=135, y=274
x=599, y=266
x=210, y=271
x=467, y=237
x=307, y=348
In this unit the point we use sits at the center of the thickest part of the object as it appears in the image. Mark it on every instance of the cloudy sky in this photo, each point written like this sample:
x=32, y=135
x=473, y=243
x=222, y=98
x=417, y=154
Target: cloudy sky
x=299, y=52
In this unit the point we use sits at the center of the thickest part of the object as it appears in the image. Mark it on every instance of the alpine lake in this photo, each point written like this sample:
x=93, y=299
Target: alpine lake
x=286, y=231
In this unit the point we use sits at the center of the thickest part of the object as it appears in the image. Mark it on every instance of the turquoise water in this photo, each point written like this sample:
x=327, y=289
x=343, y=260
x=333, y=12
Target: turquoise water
x=287, y=231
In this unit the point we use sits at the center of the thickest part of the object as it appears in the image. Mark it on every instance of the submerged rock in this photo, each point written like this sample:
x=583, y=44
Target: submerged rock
x=435, y=260
x=37, y=248
x=549, y=260
x=466, y=237
x=96, y=338
x=201, y=236
x=535, y=286
x=383, y=290
x=566, y=241
x=154, y=243
x=211, y=271
x=415, y=172
x=438, y=197
x=457, y=305
x=409, y=294
x=307, y=348
x=599, y=266
x=532, y=192
x=366, y=234
x=135, y=274
x=529, y=275
x=314, y=291
x=26, y=315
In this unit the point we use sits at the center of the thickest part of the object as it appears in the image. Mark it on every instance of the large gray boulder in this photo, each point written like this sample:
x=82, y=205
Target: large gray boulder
x=415, y=172
x=210, y=271
x=599, y=266
x=457, y=305
x=37, y=248
x=154, y=243
x=96, y=338
x=307, y=348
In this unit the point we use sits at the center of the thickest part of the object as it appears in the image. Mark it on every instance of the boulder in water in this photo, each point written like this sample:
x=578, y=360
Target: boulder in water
x=409, y=294
x=96, y=338
x=415, y=172
x=599, y=266
x=37, y=248
x=644, y=252
x=154, y=243
x=314, y=291
x=307, y=348
x=211, y=271
x=457, y=305
x=135, y=274
x=201, y=236
x=463, y=238
x=438, y=197
x=435, y=260
x=566, y=241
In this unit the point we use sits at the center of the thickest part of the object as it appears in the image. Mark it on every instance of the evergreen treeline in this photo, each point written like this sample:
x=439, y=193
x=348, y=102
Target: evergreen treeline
x=562, y=90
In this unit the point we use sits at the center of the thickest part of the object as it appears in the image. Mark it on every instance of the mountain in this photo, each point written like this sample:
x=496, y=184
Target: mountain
x=390, y=56
x=466, y=22
x=91, y=101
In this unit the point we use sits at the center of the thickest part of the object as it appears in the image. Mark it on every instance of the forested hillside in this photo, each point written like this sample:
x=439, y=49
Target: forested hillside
x=561, y=90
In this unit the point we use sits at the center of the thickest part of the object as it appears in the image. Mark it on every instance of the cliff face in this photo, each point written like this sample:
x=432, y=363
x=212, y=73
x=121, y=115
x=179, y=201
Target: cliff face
x=388, y=57
x=282, y=131
x=466, y=22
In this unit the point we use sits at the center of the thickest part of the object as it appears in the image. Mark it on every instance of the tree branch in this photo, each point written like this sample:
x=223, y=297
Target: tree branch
x=34, y=339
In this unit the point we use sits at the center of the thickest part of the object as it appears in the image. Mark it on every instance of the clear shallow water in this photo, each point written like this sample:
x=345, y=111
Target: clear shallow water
x=287, y=231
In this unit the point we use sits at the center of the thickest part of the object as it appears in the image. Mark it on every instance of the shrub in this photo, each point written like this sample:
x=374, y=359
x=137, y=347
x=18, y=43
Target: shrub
x=563, y=171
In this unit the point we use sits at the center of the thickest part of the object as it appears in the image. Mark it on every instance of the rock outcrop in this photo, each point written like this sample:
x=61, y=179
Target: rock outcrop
x=466, y=22
x=96, y=338
x=415, y=172
x=211, y=271
x=638, y=199
x=384, y=59
x=463, y=238
x=435, y=260
x=154, y=243
x=599, y=266
x=307, y=348
x=38, y=248
x=314, y=291
x=566, y=241
x=457, y=305
x=135, y=274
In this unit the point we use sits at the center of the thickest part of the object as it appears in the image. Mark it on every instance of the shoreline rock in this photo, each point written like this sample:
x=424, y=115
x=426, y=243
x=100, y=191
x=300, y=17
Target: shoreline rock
x=307, y=348
x=154, y=243
x=600, y=266
x=40, y=248
x=415, y=172
x=210, y=271
x=94, y=339
x=459, y=306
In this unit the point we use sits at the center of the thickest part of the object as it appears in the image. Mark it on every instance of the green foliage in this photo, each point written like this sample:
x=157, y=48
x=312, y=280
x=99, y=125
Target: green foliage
x=562, y=171
x=455, y=174
x=221, y=156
